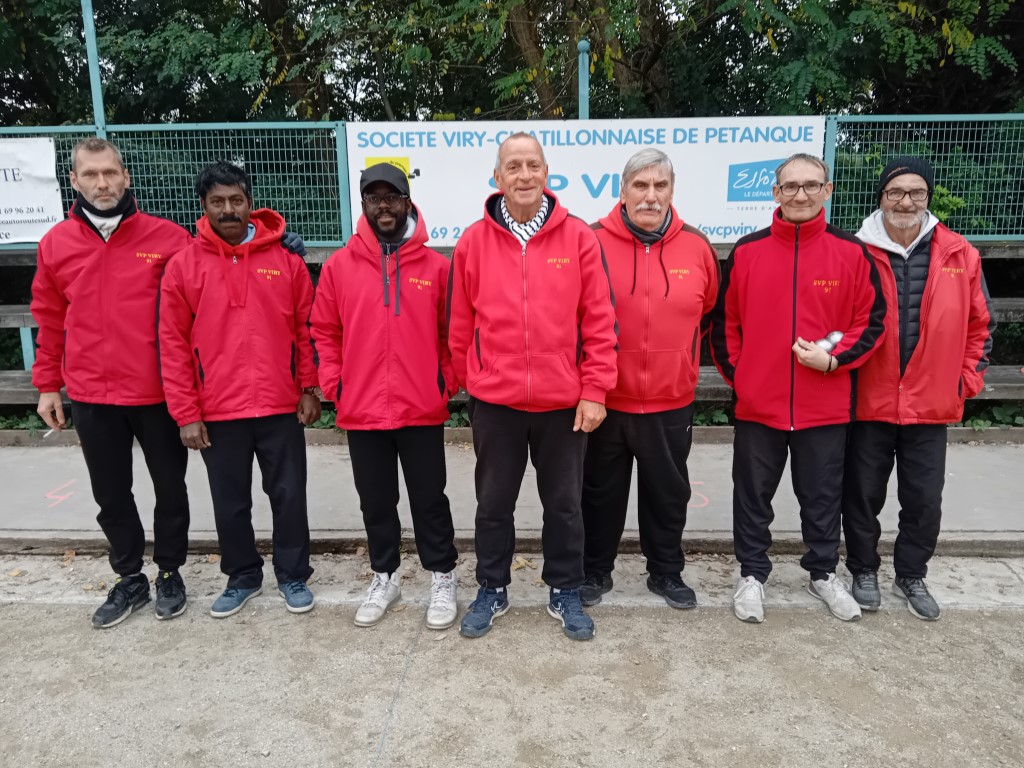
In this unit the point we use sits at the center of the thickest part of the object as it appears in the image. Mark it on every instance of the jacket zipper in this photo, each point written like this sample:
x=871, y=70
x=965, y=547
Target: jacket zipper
x=647, y=326
x=526, y=332
x=792, y=357
x=387, y=332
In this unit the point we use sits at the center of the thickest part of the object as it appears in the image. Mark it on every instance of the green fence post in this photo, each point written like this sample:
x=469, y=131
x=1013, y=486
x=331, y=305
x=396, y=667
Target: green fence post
x=99, y=115
x=830, y=157
x=584, y=78
x=28, y=348
x=344, y=201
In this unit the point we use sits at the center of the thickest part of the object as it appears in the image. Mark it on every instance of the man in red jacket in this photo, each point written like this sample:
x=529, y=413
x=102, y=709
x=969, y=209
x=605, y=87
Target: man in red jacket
x=664, y=275
x=800, y=306
x=939, y=329
x=378, y=324
x=532, y=335
x=94, y=297
x=238, y=372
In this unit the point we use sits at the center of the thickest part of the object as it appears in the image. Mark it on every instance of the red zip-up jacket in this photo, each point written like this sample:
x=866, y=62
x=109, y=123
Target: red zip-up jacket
x=661, y=293
x=234, y=339
x=95, y=304
x=949, y=362
x=533, y=327
x=786, y=281
x=378, y=325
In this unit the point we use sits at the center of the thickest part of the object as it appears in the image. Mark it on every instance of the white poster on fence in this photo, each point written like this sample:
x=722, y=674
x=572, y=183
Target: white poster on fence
x=724, y=166
x=30, y=200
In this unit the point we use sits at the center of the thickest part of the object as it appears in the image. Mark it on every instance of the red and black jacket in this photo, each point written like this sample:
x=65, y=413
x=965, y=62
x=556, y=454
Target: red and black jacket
x=787, y=281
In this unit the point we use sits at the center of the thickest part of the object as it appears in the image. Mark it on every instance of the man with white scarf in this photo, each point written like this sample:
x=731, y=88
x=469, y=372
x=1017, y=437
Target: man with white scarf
x=934, y=355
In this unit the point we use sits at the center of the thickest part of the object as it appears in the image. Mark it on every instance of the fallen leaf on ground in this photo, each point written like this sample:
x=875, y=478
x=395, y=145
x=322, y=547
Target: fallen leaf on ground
x=15, y=572
x=101, y=585
x=88, y=587
x=68, y=554
x=398, y=609
x=538, y=582
x=360, y=551
x=213, y=558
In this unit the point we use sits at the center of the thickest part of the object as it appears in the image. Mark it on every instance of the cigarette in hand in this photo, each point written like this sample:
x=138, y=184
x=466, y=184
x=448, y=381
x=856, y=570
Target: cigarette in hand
x=48, y=433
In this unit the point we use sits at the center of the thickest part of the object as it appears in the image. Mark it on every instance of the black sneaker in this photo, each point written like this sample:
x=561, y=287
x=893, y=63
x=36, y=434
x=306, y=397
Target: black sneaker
x=919, y=600
x=672, y=587
x=170, y=595
x=594, y=586
x=865, y=590
x=127, y=594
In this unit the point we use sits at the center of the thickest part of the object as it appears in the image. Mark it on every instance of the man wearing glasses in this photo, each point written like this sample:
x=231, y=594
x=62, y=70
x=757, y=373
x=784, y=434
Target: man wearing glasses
x=379, y=328
x=799, y=307
x=938, y=336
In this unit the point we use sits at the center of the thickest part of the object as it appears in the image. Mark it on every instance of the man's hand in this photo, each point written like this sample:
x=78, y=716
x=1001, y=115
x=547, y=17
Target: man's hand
x=589, y=416
x=51, y=410
x=812, y=356
x=194, y=436
x=308, y=409
x=293, y=242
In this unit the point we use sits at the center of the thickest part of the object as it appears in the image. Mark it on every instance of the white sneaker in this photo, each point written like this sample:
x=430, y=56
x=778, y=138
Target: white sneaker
x=384, y=592
x=443, y=608
x=836, y=596
x=747, y=602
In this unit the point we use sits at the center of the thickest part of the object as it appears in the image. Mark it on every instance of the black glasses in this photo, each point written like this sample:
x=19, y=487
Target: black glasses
x=895, y=195
x=790, y=188
x=392, y=199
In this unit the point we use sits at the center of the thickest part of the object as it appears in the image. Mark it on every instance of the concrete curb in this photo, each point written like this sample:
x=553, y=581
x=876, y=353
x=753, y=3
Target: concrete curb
x=954, y=544
x=22, y=438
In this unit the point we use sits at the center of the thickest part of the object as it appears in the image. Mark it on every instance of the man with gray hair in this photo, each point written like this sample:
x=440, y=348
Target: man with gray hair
x=664, y=275
x=934, y=356
x=799, y=307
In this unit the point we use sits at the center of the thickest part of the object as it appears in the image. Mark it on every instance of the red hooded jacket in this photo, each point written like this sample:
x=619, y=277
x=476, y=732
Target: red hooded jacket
x=533, y=327
x=786, y=281
x=949, y=362
x=95, y=304
x=378, y=325
x=234, y=340
x=661, y=293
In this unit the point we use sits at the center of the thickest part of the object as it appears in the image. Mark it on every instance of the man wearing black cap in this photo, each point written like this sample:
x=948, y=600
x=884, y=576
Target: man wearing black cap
x=934, y=355
x=378, y=324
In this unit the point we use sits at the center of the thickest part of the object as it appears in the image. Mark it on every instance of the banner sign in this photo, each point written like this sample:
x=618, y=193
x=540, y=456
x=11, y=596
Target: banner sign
x=30, y=201
x=725, y=167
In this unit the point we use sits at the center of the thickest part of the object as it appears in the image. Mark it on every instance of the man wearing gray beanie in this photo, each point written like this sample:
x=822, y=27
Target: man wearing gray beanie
x=935, y=351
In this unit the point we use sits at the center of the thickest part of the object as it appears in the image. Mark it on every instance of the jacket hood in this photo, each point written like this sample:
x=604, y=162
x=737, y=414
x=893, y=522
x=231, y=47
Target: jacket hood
x=556, y=213
x=615, y=225
x=872, y=232
x=269, y=230
x=371, y=245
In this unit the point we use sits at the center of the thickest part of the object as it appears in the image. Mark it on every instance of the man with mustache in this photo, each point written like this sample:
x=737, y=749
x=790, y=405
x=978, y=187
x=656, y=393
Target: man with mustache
x=532, y=334
x=238, y=371
x=379, y=327
x=939, y=327
x=664, y=276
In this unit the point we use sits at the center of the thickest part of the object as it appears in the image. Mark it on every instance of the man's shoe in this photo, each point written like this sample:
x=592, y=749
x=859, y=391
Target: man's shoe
x=170, y=595
x=489, y=603
x=672, y=587
x=747, y=602
x=444, y=606
x=297, y=597
x=836, y=596
x=565, y=606
x=232, y=600
x=865, y=590
x=127, y=594
x=919, y=600
x=594, y=586
x=384, y=592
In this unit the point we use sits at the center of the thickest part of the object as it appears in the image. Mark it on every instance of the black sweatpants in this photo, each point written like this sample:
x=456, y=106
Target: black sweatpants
x=279, y=445
x=502, y=438
x=106, y=433
x=816, y=464
x=660, y=443
x=375, y=455
x=919, y=452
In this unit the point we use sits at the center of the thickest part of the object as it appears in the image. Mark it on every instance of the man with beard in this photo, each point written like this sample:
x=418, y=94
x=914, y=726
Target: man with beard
x=532, y=335
x=240, y=381
x=378, y=324
x=939, y=328
x=94, y=297
x=664, y=275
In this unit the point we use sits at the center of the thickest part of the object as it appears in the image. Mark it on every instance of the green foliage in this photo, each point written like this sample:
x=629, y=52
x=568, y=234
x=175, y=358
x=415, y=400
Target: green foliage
x=712, y=415
x=459, y=415
x=10, y=350
x=28, y=420
x=1000, y=415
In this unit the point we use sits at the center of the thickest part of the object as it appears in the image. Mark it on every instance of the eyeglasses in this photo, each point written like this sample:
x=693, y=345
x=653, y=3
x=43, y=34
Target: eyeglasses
x=790, y=188
x=895, y=195
x=392, y=199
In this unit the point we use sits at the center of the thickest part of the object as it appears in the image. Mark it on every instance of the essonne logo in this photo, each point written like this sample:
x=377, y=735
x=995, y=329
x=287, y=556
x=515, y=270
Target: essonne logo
x=827, y=285
x=150, y=258
x=270, y=274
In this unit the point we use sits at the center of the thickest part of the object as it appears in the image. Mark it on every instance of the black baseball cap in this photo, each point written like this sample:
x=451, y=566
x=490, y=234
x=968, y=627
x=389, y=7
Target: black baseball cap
x=385, y=172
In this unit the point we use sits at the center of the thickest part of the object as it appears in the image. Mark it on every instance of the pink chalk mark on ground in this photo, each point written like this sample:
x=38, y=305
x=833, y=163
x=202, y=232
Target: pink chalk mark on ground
x=697, y=499
x=57, y=499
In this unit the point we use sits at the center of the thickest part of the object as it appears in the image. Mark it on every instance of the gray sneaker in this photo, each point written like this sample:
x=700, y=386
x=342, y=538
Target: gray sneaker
x=919, y=600
x=836, y=596
x=865, y=590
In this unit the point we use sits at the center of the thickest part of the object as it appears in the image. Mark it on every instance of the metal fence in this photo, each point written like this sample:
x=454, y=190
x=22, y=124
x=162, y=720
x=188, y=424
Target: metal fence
x=301, y=169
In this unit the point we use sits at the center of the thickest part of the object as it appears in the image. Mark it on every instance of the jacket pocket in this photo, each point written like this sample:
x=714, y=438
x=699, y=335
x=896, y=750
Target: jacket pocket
x=553, y=381
x=199, y=366
x=440, y=380
x=476, y=343
x=960, y=387
x=292, y=365
x=693, y=346
x=337, y=393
